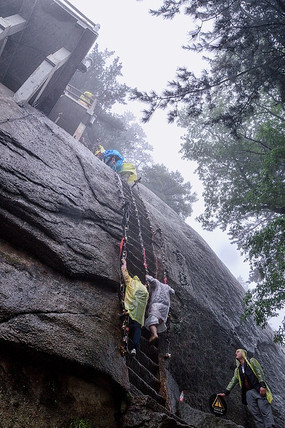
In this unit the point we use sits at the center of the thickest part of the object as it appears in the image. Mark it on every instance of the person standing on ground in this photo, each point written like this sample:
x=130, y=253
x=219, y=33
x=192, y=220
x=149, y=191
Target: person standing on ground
x=135, y=301
x=254, y=390
x=158, y=307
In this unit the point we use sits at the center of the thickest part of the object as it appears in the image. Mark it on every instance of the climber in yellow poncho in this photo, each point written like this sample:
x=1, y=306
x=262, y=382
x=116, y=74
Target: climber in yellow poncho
x=136, y=298
x=86, y=98
x=129, y=172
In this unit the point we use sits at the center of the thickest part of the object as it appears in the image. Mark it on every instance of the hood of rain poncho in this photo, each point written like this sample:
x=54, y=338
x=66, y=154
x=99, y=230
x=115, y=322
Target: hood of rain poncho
x=129, y=170
x=136, y=297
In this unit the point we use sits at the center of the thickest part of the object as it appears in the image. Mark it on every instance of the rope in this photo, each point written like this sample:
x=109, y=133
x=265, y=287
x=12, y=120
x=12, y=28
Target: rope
x=162, y=245
x=123, y=254
x=123, y=251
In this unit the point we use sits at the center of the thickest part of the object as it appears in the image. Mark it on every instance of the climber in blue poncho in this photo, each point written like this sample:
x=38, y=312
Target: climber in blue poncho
x=112, y=158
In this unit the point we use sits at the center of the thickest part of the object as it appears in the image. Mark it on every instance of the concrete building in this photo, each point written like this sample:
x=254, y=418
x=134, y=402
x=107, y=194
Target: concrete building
x=42, y=44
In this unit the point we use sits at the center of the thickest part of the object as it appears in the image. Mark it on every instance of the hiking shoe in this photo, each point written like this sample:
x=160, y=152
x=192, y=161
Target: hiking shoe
x=133, y=352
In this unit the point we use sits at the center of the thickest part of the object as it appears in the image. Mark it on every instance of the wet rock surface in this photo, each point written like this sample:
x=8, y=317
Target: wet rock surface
x=37, y=391
x=60, y=224
x=44, y=311
x=56, y=199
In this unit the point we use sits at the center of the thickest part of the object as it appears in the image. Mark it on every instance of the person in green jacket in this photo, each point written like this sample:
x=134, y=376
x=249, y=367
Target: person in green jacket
x=135, y=301
x=254, y=390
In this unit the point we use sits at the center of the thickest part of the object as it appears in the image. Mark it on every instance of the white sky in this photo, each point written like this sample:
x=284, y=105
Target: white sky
x=150, y=51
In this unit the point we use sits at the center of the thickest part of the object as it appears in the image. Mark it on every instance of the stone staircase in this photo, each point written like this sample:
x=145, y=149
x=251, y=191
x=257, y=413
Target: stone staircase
x=144, y=368
x=139, y=224
x=144, y=371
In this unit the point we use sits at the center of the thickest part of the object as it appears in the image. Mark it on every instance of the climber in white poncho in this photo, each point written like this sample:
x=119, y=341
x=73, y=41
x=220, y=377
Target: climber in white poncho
x=158, y=306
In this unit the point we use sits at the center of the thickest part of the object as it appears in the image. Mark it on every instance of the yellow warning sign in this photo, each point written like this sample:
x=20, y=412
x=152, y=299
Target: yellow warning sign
x=218, y=406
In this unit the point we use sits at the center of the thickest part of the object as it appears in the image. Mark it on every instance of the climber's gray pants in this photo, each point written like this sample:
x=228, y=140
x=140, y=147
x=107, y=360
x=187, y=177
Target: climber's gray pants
x=260, y=409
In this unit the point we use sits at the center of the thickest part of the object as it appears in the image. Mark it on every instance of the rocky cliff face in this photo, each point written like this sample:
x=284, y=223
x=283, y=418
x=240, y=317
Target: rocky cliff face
x=61, y=217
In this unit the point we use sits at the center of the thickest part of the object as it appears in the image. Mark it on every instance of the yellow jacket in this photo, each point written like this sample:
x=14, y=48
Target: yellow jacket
x=257, y=370
x=136, y=296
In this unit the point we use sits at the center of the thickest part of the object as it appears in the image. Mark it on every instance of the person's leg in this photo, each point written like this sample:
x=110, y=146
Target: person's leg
x=252, y=397
x=266, y=412
x=154, y=335
x=137, y=330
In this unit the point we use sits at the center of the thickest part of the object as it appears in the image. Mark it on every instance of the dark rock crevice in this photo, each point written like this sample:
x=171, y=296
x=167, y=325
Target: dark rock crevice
x=105, y=203
x=13, y=144
x=39, y=313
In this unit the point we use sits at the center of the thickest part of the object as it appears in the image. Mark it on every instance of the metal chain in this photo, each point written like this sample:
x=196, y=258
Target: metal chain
x=140, y=233
x=123, y=254
x=162, y=246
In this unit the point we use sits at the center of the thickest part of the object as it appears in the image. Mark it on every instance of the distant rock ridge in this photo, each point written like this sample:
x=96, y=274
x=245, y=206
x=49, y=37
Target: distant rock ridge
x=61, y=215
